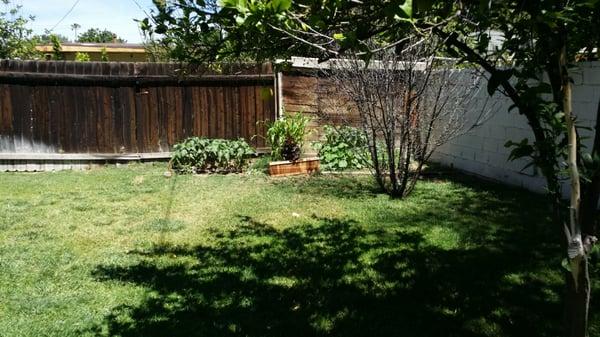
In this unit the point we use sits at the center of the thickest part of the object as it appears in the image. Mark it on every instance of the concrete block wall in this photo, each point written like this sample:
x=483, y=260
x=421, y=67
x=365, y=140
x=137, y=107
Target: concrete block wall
x=482, y=152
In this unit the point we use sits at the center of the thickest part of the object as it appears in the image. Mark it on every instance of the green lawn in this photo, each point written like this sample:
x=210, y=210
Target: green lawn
x=127, y=252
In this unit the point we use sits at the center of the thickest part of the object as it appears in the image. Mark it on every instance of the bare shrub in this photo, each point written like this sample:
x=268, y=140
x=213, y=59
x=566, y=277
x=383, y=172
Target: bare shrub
x=407, y=103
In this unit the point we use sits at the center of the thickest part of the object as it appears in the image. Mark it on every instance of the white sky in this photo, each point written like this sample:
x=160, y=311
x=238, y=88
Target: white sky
x=114, y=15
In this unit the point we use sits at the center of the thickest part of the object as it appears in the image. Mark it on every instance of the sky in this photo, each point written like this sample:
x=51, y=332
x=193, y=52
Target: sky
x=114, y=15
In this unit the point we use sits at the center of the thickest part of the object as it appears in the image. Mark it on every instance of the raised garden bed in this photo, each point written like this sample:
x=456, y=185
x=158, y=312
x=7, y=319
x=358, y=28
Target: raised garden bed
x=289, y=168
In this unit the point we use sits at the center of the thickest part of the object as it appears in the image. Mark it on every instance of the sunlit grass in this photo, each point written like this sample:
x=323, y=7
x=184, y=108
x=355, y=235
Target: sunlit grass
x=126, y=251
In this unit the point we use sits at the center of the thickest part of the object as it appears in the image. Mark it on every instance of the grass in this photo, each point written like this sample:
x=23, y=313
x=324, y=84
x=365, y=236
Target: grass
x=127, y=252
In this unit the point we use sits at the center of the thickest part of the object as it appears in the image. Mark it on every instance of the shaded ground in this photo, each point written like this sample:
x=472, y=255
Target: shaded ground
x=129, y=253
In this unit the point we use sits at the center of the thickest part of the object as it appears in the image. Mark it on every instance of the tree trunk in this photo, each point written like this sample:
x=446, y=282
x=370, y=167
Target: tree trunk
x=578, y=285
x=578, y=301
x=578, y=281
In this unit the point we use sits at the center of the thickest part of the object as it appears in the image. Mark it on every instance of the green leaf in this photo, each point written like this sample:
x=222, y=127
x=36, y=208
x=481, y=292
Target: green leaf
x=339, y=36
x=407, y=8
x=521, y=149
x=227, y=3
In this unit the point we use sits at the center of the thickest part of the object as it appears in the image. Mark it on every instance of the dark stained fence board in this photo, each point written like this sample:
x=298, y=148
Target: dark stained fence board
x=6, y=127
x=178, y=112
x=129, y=98
x=220, y=113
x=40, y=119
x=197, y=107
x=204, y=111
x=19, y=113
x=188, y=111
x=211, y=125
x=235, y=113
x=163, y=114
x=250, y=113
x=258, y=108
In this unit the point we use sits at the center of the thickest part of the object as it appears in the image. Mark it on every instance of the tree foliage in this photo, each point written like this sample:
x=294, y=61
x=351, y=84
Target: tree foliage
x=96, y=35
x=46, y=38
x=15, y=37
x=56, y=48
x=207, y=30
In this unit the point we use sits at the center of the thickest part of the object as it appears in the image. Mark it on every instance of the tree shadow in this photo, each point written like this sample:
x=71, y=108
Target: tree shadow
x=341, y=185
x=332, y=278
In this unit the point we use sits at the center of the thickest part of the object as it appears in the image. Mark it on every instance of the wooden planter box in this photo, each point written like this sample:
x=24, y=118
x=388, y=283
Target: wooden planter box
x=289, y=168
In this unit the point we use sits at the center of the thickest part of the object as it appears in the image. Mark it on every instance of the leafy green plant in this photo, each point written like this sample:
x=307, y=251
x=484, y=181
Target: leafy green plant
x=82, y=57
x=104, y=55
x=343, y=148
x=56, y=48
x=286, y=136
x=195, y=155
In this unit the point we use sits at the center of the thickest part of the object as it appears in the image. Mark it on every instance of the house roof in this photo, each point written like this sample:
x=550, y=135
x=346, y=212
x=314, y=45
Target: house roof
x=96, y=47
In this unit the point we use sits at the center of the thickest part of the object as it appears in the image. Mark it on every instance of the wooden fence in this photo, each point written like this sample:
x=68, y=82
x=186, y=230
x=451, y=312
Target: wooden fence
x=51, y=108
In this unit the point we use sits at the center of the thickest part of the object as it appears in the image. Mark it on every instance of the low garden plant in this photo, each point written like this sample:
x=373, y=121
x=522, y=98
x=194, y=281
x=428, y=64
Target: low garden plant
x=197, y=155
x=260, y=165
x=343, y=148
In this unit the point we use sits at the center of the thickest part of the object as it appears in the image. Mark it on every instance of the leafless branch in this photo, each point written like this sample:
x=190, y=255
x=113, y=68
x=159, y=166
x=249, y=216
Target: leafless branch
x=317, y=46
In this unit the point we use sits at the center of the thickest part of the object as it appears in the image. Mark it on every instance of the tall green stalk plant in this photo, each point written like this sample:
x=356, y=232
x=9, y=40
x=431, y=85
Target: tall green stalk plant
x=286, y=136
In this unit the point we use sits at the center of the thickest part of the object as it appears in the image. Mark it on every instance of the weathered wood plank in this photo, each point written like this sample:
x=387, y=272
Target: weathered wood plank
x=205, y=111
x=110, y=143
x=129, y=98
x=39, y=119
x=117, y=119
x=258, y=123
x=153, y=120
x=20, y=113
x=235, y=113
x=6, y=116
x=140, y=118
x=220, y=113
x=163, y=114
x=251, y=113
x=188, y=111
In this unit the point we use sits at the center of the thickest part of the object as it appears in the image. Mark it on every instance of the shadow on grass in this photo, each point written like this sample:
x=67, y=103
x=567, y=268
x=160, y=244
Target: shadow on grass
x=339, y=185
x=332, y=278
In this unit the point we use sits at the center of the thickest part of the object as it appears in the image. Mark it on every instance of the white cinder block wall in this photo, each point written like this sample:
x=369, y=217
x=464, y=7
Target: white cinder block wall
x=481, y=151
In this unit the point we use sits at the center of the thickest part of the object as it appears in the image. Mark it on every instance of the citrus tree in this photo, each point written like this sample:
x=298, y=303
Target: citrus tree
x=526, y=48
